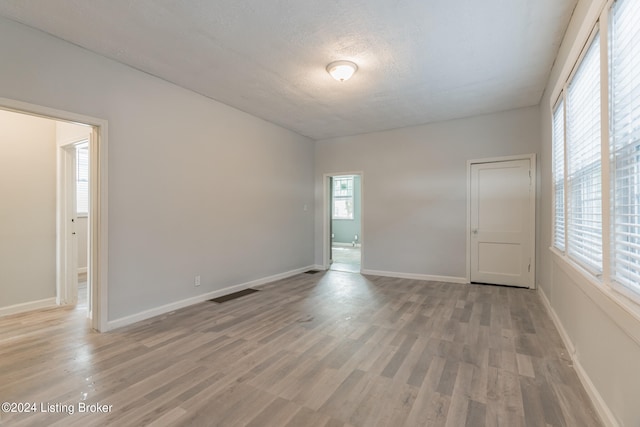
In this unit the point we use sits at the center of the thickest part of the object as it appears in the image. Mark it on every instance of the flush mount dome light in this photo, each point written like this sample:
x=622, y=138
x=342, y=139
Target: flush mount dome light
x=342, y=70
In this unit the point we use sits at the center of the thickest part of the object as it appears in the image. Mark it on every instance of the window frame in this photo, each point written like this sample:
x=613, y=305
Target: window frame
x=350, y=179
x=598, y=274
x=624, y=297
x=626, y=291
x=84, y=145
x=557, y=106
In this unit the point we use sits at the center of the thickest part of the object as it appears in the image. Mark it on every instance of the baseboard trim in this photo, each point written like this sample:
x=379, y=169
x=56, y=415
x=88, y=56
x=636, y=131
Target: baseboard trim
x=27, y=306
x=556, y=321
x=157, y=311
x=429, y=277
x=606, y=416
x=319, y=267
x=82, y=270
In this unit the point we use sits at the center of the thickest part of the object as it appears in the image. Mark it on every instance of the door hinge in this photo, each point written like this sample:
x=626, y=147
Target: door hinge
x=529, y=268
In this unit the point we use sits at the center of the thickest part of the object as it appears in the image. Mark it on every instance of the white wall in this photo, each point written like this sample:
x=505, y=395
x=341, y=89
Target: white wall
x=603, y=333
x=27, y=209
x=421, y=173
x=195, y=187
x=68, y=133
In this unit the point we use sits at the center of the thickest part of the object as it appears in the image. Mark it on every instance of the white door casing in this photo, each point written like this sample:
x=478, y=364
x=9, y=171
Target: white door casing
x=68, y=251
x=98, y=218
x=502, y=221
x=327, y=210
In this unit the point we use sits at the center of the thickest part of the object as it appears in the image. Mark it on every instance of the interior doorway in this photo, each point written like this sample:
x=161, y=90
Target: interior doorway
x=79, y=165
x=344, y=217
x=74, y=195
x=83, y=190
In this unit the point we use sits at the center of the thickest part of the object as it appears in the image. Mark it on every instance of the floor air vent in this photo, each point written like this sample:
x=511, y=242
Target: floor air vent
x=234, y=295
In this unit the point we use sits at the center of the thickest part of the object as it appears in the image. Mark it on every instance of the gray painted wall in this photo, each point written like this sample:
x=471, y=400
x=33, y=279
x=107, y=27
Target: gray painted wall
x=421, y=171
x=344, y=230
x=195, y=187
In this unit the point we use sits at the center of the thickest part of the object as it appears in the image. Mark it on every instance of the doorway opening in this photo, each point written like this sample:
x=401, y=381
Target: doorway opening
x=74, y=194
x=344, y=218
x=74, y=216
x=82, y=209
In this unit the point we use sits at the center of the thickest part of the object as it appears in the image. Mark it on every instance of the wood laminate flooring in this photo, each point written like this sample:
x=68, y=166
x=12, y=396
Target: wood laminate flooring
x=329, y=349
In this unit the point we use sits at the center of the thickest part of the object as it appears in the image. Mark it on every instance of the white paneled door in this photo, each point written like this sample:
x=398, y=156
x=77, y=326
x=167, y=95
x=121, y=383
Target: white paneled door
x=502, y=222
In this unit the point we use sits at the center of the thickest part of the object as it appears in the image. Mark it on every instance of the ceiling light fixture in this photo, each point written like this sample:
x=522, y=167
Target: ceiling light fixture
x=342, y=70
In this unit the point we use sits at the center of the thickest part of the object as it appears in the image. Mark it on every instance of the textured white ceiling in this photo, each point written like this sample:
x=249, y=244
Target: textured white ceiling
x=419, y=60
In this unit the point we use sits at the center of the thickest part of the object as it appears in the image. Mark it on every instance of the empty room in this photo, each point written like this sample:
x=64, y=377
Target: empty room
x=365, y=213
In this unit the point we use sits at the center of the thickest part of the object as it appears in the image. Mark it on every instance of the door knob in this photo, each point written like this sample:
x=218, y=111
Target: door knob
x=475, y=231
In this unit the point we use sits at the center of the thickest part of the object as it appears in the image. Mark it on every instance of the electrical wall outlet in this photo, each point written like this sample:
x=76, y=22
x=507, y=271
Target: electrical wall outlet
x=196, y=281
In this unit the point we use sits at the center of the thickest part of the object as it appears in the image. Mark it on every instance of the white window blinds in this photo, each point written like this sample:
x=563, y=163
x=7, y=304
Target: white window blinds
x=82, y=180
x=343, y=197
x=584, y=181
x=625, y=142
x=558, y=176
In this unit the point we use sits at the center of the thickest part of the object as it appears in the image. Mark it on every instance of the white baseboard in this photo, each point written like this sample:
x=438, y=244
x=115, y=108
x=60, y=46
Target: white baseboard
x=82, y=270
x=606, y=416
x=319, y=267
x=27, y=306
x=556, y=321
x=157, y=311
x=429, y=277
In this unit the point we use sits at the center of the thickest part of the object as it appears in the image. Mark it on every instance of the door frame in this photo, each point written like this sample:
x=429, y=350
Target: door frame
x=67, y=248
x=67, y=219
x=532, y=207
x=98, y=208
x=326, y=217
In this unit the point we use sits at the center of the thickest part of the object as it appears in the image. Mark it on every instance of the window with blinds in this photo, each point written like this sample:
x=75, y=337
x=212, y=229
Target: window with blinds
x=625, y=142
x=343, y=197
x=558, y=176
x=584, y=181
x=82, y=180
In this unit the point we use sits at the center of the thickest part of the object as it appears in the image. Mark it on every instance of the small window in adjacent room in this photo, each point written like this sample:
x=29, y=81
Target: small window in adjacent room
x=82, y=180
x=343, y=197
